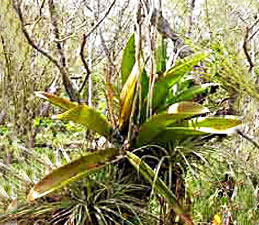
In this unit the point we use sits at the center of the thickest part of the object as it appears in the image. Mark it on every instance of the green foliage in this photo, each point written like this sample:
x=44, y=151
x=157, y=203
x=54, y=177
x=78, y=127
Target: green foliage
x=179, y=142
x=158, y=185
x=158, y=123
x=172, y=76
x=88, y=117
x=175, y=124
x=128, y=59
x=167, y=126
x=217, y=191
x=189, y=93
x=161, y=55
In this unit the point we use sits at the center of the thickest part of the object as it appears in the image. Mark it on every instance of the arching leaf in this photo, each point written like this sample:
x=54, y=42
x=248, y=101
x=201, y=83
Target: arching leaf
x=128, y=59
x=88, y=117
x=127, y=96
x=172, y=76
x=179, y=111
x=214, y=125
x=159, y=186
x=177, y=133
x=184, y=66
x=72, y=171
x=56, y=100
x=190, y=93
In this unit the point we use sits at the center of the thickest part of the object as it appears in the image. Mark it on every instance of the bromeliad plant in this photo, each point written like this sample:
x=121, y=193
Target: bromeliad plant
x=154, y=110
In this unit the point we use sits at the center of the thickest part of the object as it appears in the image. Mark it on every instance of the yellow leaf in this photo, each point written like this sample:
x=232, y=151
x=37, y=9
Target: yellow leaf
x=56, y=100
x=127, y=96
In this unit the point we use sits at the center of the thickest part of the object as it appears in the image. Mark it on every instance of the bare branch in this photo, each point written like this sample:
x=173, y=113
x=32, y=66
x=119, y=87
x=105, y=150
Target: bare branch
x=106, y=50
x=248, y=138
x=252, y=35
x=41, y=6
x=255, y=23
x=63, y=70
x=110, y=95
x=101, y=20
x=54, y=23
x=88, y=72
x=30, y=41
x=95, y=26
x=249, y=59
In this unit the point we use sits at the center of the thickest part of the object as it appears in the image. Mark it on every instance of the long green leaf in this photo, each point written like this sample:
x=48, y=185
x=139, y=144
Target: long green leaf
x=159, y=186
x=72, y=171
x=172, y=76
x=184, y=66
x=158, y=123
x=213, y=125
x=190, y=93
x=177, y=133
x=144, y=84
x=128, y=59
x=197, y=127
x=160, y=54
x=88, y=117
x=55, y=100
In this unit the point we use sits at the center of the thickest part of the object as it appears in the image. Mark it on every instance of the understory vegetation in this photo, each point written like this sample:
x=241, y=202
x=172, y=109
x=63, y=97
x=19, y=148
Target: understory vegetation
x=129, y=112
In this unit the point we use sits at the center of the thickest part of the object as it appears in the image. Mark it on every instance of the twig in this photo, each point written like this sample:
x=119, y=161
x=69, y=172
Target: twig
x=255, y=23
x=108, y=73
x=252, y=35
x=88, y=72
x=70, y=88
x=248, y=138
x=100, y=21
x=30, y=41
x=110, y=95
x=106, y=50
x=249, y=59
x=147, y=9
x=7, y=58
x=66, y=81
x=41, y=6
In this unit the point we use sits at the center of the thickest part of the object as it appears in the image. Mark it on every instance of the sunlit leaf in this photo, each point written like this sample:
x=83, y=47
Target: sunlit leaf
x=128, y=59
x=127, y=96
x=55, y=100
x=159, y=186
x=88, y=117
x=214, y=125
x=189, y=108
x=158, y=123
x=72, y=171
